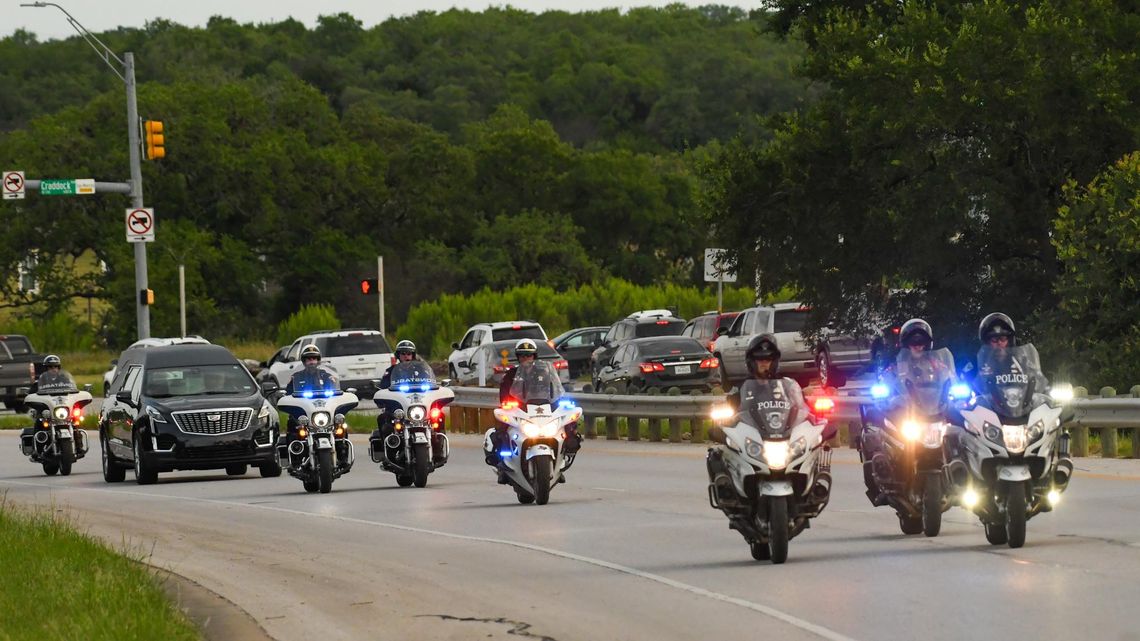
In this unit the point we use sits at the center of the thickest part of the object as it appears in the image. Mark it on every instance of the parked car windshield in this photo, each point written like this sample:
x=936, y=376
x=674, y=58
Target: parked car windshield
x=511, y=333
x=659, y=328
x=789, y=320
x=17, y=346
x=196, y=380
x=352, y=345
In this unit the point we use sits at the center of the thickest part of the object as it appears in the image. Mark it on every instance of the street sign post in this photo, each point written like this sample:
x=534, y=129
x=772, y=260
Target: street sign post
x=67, y=186
x=140, y=225
x=13, y=185
x=717, y=271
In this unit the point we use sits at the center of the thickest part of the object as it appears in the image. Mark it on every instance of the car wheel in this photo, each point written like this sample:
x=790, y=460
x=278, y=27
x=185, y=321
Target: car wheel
x=112, y=471
x=823, y=366
x=145, y=474
x=270, y=470
x=237, y=469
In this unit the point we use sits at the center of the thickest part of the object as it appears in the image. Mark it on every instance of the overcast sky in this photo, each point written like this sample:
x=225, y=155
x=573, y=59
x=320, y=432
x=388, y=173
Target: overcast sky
x=101, y=15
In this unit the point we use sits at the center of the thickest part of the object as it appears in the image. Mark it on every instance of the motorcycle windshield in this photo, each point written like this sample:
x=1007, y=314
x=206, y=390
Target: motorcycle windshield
x=769, y=406
x=413, y=376
x=924, y=378
x=56, y=385
x=322, y=382
x=1010, y=376
x=536, y=384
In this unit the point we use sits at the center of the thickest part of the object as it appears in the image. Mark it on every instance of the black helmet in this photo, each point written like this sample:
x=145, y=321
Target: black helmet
x=51, y=360
x=526, y=347
x=915, y=330
x=763, y=347
x=996, y=324
x=406, y=347
x=310, y=350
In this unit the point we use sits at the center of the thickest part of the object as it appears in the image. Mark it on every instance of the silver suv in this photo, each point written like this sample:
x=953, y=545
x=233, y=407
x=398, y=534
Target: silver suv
x=834, y=356
x=459, y=365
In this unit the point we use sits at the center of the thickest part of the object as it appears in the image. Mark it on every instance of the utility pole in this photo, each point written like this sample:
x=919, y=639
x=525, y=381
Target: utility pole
x=380, y=289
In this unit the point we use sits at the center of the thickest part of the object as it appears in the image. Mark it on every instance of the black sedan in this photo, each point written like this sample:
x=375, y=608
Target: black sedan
x=661, y=362
x=577, y=345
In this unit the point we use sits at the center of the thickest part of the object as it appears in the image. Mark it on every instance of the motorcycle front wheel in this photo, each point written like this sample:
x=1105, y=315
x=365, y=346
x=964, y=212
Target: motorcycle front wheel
x=66, y=457
x=421, y=456
x=932, y=505
x=541, y=471
x=778, y=529
x=1015, y=514
x=324, y=471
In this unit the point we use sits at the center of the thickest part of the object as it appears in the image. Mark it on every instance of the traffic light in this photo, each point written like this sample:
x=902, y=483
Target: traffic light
x=146, y=296
x=369, y=287
x=155, y=141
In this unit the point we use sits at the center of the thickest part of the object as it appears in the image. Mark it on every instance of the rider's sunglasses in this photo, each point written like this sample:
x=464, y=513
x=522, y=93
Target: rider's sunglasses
x=994, y=340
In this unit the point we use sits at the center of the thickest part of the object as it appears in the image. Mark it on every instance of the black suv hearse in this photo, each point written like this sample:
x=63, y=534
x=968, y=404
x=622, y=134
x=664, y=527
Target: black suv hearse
x=185, y=407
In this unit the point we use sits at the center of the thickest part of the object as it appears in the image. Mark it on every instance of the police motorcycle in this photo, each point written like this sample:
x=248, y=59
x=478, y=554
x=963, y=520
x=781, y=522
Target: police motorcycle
x=55, y=439
x=321, y=451
x=413, y=444
x=532, y=457
x=1013, y=460
x=902, y=440
x=773, y=473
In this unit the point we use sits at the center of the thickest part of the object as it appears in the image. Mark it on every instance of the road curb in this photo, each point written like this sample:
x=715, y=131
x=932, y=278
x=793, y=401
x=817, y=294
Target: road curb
x=216, y=617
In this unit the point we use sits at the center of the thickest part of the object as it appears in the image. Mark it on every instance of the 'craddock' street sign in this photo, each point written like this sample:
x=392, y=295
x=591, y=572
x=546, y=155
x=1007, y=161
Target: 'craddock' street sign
x=12, y=185
x=140, y=225
x=67, y=186
x=715, y=268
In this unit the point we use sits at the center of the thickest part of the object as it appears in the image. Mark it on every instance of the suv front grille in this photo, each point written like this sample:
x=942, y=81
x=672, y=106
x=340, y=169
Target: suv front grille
x=224, y=421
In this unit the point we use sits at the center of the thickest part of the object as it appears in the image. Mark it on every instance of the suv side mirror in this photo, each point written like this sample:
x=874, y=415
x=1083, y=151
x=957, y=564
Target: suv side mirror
x=455, y=346
x=268, y=387
x=722, y=331
x=597, y=342
x=124, y=396
x=114, y=362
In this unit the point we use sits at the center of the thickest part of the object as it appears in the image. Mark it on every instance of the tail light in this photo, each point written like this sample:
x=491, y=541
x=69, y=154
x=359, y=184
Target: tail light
x=662, y=322
x=510, y=404
x=823, y=405
x=711, y=344
x=499, y=369
x=561, y=364
x=710, y=363
x=393, y=360
x=649, y=368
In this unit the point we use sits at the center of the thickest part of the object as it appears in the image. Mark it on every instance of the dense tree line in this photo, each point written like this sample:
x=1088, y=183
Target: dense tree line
x=470, y=149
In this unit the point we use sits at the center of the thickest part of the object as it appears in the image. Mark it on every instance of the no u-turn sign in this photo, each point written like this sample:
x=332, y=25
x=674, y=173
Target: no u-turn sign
x=140, y=225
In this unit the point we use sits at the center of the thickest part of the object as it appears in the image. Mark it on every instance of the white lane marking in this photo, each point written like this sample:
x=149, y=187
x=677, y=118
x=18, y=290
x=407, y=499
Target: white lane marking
x=807, y=626
x=608, y=489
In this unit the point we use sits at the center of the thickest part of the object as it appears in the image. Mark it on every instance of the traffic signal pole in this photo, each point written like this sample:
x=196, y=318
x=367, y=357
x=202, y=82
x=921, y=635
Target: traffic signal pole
x=380, y=289
x=142, y=311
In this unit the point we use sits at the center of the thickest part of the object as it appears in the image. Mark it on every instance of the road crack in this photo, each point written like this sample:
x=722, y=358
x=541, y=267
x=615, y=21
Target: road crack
x=518, y=627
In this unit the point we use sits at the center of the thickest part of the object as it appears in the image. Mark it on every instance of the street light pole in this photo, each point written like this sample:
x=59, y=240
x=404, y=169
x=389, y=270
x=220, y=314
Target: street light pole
x=127, y=75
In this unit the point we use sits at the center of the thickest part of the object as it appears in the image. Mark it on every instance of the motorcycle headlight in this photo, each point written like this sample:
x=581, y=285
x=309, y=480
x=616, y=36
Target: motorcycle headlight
x=154, y=415
x=321, y=419
x=753, y=449
x=1014, y=437
x=776, y=454
x=417, y=412
x=530, y=430
x=911, y=430
x=993, y=433
x=60, y=413
x=934, y=433
x=798, y=448
x=1036, y=430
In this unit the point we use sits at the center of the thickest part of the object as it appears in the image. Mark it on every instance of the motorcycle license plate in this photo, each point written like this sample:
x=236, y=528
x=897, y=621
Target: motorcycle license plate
x=323, y=444
x=419, y=437
x=683, y=369
x=64, y=434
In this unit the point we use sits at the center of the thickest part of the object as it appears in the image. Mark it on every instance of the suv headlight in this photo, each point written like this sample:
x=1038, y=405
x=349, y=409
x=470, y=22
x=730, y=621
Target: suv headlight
x=60, y=413
x=263, y=415
x=154, y=415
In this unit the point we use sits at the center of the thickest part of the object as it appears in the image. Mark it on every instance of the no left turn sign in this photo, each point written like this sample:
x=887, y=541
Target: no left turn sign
x=13, y=185
x=140, y=225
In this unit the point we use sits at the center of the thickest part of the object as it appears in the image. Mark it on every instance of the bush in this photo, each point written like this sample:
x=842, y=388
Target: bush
x=434, y=325
x=309, y=318
x=57, y=333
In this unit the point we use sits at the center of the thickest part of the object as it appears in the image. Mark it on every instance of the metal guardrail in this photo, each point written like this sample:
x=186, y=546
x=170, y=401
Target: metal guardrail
x=686, y=418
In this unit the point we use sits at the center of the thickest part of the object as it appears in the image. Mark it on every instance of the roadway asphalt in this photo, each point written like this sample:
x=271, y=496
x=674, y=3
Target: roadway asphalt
x=628, y=549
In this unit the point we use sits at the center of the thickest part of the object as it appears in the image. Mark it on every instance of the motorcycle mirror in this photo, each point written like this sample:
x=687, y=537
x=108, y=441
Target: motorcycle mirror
x=87, y=387
x=351, y=390
x=375, y=383
x=445, y=382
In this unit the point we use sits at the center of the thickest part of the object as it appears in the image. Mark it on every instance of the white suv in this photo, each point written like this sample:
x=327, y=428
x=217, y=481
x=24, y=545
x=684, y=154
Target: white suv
x=358, y=356
x=458, y=363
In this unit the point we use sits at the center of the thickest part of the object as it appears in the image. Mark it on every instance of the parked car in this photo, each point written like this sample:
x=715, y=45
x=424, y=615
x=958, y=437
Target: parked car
x=185, y=407
x=20, y=366
x=483, y=333
x=704, y=327
x=357, y=356
x=643, y=324
x=109, y=375
x=782, y=320
x=577, y=345
x=264, y=374
x=661, y=362
x=496, y=358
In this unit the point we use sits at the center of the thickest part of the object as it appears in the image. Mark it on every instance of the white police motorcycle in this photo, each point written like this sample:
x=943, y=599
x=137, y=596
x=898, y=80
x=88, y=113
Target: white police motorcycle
x=55, y=439
x=533, y=457
x=321, y=452
x=411, y=442
x=1013, y=456
x=773, y=473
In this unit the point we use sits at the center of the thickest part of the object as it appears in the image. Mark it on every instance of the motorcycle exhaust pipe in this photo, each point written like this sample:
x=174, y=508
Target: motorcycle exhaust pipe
x=957, y=473
x=297, y=448
x=42, y=438
x=1062, y=474
x=392, y=441
x=27, y=445
x=822, y=488
x=1064, y=447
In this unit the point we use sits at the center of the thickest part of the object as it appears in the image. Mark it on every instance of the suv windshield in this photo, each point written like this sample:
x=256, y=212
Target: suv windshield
x=352, y=345
x=516, y=333
x=194, y=380
x=789, y=320
x=671, y=327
